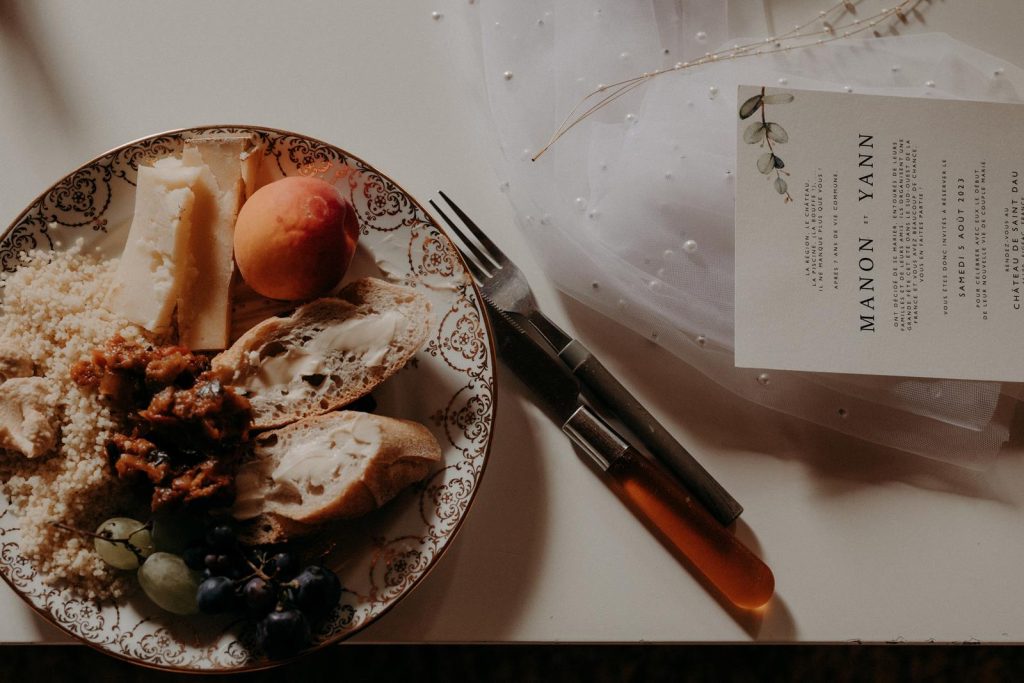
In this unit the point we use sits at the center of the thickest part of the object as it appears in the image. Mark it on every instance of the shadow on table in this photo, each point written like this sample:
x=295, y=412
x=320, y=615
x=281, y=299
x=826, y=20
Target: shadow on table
x=41, y=89
x=485, y=577
x=715, y=419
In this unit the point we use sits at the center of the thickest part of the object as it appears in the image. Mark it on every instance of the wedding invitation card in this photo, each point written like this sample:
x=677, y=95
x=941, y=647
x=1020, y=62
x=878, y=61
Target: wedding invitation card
x=879, y=235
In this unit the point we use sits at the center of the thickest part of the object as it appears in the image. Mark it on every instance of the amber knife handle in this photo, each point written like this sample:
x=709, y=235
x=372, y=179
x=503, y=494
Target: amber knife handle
x=653, y=496
x=651, y=433
x=662, y=445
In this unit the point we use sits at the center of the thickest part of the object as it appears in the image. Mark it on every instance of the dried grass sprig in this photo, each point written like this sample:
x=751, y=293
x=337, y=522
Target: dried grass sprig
x=836, y=23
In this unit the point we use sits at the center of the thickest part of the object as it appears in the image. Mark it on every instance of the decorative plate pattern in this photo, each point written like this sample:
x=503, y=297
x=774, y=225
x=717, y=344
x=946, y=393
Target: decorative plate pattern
x=449, y=387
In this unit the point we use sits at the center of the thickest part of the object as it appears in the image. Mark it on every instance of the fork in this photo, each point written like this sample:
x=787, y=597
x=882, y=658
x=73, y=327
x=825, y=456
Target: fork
x=505, y=285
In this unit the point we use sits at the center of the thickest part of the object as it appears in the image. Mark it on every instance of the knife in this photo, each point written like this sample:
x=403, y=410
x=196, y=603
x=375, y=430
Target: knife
x=509, y=287
x=589, y=370
x=651, y=494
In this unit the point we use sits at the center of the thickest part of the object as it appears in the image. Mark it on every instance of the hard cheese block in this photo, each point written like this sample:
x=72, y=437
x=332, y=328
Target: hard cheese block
x=251, y=159
x=149, y=275
x=204, y=302
x=179, y=252
x=232, y=157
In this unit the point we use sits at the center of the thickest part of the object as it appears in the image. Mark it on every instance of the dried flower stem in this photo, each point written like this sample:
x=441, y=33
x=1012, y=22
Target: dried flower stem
x=800, y=36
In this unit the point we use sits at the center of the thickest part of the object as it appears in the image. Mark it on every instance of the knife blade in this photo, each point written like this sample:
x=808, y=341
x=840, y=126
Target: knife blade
x=652, y=495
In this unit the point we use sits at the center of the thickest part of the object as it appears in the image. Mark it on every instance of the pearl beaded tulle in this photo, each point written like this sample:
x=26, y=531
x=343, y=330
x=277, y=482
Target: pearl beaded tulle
x=656, y=167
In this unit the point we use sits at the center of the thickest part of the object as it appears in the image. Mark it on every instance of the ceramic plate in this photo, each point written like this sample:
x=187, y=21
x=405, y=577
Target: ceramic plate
x=449, y=387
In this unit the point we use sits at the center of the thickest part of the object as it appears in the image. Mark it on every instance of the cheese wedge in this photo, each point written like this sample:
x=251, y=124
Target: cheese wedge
x=149, y=275
x=179, y=252
x=251, y=159
x=204, y=304
x=231, y=157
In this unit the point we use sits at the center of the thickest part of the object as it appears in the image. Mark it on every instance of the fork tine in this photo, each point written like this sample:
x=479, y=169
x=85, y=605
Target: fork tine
x=478, y=273
x=496, y=254
x=484, y=259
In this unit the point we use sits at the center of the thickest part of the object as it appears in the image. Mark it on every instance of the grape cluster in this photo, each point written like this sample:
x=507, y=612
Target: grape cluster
x=151, y=548
x=186, y=571
x=270, y=587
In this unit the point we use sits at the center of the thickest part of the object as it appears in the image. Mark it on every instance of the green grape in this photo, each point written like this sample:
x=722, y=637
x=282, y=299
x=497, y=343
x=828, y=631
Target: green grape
x=175, y=534
x=169, y=583
x=119, y=555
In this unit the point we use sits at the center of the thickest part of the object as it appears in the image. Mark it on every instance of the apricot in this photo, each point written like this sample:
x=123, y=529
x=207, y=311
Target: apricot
x=294, y=238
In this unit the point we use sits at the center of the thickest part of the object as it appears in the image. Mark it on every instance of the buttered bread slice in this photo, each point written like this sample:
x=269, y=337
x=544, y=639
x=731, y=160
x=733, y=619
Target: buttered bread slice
x=336, y=466
x=328, y=353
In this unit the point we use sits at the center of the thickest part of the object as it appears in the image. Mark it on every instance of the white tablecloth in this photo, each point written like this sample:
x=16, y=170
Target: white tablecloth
x=866, y=544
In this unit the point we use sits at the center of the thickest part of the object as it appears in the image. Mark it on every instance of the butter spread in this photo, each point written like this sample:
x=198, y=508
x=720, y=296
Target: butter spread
x=367, y=337
x=322, y=459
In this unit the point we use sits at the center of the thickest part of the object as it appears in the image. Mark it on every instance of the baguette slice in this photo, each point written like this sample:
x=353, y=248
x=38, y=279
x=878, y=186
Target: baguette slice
x=330, y=467
x=327, y=354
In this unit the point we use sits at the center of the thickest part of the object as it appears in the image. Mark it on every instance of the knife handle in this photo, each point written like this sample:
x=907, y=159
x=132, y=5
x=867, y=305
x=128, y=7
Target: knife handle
x=678, y=519
x=728, y=564
x=662, y=445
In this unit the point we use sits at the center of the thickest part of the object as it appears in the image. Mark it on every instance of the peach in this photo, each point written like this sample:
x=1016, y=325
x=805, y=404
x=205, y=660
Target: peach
x=294, y=238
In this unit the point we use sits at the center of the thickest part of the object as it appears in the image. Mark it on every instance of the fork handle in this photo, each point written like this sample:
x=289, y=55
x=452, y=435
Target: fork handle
x=703, y=486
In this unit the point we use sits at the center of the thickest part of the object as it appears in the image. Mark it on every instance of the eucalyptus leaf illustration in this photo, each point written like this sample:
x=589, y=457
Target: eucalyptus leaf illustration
x=748, y=108
x=767, y=133
x=754, y=133
x=776, y=133
x=768, y=162
x=779, y=98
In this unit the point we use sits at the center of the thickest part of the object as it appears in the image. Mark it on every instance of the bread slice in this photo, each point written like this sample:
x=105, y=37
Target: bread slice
x=336, y=466
x=326, y=354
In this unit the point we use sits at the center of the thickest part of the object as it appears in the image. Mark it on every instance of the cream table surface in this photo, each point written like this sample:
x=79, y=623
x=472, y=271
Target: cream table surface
x=866, y=544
